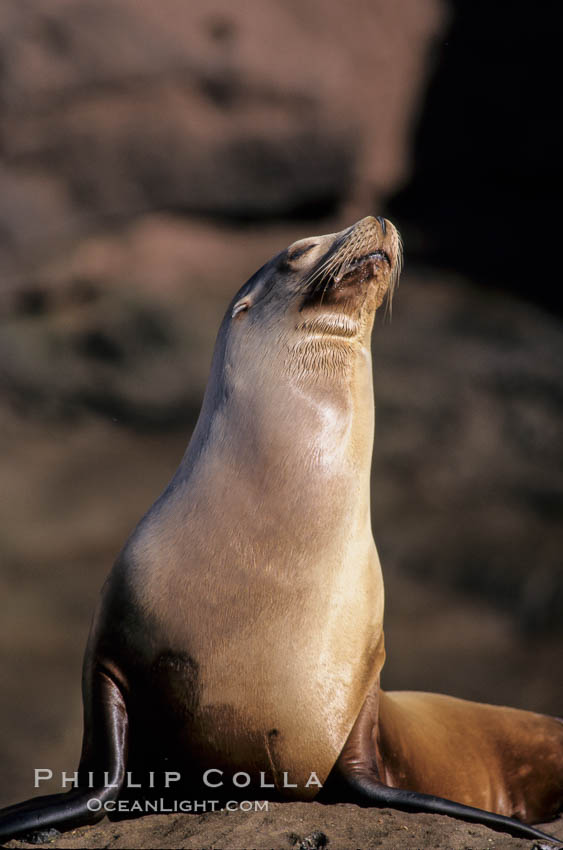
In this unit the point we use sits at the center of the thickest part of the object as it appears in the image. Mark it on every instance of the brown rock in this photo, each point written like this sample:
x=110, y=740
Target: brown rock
x=292, y=825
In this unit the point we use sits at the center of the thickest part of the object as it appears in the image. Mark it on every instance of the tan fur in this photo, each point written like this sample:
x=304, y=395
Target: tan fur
x=495, y=758
x=259, y=561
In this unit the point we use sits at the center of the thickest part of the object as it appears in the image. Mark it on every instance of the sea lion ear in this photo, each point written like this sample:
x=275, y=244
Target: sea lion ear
x=240, y=307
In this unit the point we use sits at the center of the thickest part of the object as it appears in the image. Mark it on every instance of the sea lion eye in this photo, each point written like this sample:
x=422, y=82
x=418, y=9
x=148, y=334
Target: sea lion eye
x=240, y=307
x=300, y=252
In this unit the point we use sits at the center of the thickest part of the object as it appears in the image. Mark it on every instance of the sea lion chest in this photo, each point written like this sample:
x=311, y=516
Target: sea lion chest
x=255, y=623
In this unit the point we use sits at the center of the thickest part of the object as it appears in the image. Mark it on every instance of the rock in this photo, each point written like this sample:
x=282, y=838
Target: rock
x=484, y=196
x=112, y=108
x=468, y=397
x=297, y=825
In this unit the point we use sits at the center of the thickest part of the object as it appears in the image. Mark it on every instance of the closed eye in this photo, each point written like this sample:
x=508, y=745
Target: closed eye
x=300, y=252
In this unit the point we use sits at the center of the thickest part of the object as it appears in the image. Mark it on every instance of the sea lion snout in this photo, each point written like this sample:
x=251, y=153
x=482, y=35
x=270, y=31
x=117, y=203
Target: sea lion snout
x=363, y=260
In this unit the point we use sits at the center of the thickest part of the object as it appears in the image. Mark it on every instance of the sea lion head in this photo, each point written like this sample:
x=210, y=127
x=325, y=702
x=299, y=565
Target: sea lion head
x=317, y=299
x=294, y=344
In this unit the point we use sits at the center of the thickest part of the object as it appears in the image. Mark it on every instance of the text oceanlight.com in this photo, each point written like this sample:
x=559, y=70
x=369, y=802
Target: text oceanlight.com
x=163, y=806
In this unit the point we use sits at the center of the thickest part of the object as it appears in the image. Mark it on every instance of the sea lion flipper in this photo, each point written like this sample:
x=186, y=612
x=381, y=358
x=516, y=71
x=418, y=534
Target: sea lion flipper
x=365, y=791
x=103, y=760
x=358, y=773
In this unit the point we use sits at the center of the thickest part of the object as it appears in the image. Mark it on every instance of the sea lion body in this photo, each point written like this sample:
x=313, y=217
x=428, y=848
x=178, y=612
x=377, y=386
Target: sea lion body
x=241, y=628
x=268, y=568
x=231, y=699
x=496, y=758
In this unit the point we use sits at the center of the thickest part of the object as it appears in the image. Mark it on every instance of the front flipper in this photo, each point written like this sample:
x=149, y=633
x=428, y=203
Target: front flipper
x=365, y=790
x=105, y=752
x=356, y=778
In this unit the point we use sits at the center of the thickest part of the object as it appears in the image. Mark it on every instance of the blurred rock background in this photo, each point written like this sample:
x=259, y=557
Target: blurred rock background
x=152, y=156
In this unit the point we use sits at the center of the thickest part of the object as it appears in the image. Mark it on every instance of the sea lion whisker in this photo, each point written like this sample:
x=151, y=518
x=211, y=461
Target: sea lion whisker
x=321, y=270
x=335, y=261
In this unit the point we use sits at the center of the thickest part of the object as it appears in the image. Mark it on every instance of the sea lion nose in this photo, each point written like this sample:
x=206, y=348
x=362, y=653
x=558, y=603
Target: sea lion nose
x=369, y=222
x=383, y=224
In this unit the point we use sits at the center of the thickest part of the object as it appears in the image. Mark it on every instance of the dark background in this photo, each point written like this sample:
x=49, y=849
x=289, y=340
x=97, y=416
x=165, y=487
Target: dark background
x=152, y=156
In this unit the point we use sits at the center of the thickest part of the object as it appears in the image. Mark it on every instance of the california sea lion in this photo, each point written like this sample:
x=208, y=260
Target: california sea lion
x=241, y=628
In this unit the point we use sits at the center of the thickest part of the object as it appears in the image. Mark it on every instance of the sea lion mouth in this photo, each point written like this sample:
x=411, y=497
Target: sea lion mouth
x=344, y=288
x=362, y=269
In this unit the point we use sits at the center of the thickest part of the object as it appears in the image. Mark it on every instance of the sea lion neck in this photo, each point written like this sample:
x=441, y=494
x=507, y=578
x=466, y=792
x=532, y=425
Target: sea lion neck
x=282, y=450
x=276, y=420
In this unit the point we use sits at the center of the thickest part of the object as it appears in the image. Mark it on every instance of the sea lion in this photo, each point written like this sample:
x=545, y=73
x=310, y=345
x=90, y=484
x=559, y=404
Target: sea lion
x=240, y=632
